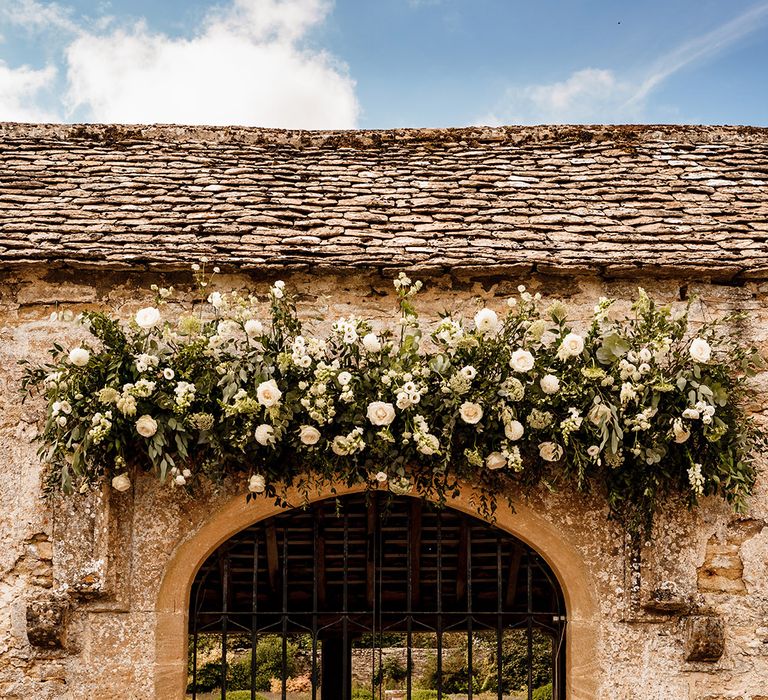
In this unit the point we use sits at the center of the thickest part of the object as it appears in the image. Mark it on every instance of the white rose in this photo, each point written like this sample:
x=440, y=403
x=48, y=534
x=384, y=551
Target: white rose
x=79, y=357
x=599, y=414
x=521, y=361
x=265, y=434
x=148, y=317
x=371, y=342
x=253, y=327
x=549, y=384
x=309, y=435
x=339, y=446
x=514, y=430
x=471, y=412
x=679, y=431
x=268, y=394
x=550, y=451
x=572, y=345
x=381, y=413
x=121, y=482
x=381, y=477
x=344, y=378
x=146, y=426
x=486, y=321
x=257, y=484
x=691, y=414
x=495, y=460
x=700, y=350
x=215, y=300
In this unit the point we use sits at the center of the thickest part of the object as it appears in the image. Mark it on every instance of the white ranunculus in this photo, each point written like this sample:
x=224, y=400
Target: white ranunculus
x=700, y=350
x=216, y=300
x=121, y=482
x=381, y=413
x=309, y=435
x=495, y=460
x=468, y=372
x=381, y=477
x=572, y=345
x=521, y=361
x=550, y=451
x=146, y=426
x=148, y=317
x=549, y=384
x=344, y=378
x=79, y=357
x=268, y=394
x=371, y=342
x=168, y=373
x=514, y=430
x=679, y=431
x=257, y=483
x=253, y=327
x=264, y=434
x=471, y=412
x=486, y=321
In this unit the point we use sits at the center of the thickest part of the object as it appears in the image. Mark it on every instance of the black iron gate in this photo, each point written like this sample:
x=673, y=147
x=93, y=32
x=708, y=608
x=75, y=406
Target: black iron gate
x=366, y=593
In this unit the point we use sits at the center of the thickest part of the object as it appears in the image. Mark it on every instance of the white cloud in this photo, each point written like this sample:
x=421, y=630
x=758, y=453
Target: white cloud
x=248, y=63
x=19, y=89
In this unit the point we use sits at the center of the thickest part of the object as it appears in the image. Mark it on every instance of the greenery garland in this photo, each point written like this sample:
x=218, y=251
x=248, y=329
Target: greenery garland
x=634, y=406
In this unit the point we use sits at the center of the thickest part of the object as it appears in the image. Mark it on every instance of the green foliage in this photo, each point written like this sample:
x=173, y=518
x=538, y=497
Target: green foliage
x=636, y=406
x=543, y=693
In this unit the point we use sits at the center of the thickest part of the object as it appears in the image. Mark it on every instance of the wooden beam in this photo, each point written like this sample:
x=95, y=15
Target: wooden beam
x=370, y=559
x=514, y=570
x=322, y=581
x=273, y=559
x=461, y=566
x=414, y=536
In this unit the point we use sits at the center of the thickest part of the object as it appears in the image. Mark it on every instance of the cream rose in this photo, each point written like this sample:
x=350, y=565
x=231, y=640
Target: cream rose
x=549, y=384
x=495, y=460
x=257, y=483
x=572, y=345
x=371, y=342
x=521, y=361
x=700, y=350
x=514, y=430
x=268, y=394
x=309, y=435
x=265, y=434
x=146, y=426
x=253, y=327
x=121, y=482
x=148, y=317
x=79, y=357
x=486, y=321
x=344, y=378
x=550, y=451
x=381, y=413
x=599, y=414
x=471, y=412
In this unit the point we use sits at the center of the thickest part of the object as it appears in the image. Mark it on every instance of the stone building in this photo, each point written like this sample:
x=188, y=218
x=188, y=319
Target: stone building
x=94, y=589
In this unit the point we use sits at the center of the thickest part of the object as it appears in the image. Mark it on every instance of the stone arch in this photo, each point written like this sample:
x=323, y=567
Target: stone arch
x=172, y=608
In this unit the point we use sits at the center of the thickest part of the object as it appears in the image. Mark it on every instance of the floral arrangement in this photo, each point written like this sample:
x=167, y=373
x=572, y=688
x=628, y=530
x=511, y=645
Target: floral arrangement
x=633, y=406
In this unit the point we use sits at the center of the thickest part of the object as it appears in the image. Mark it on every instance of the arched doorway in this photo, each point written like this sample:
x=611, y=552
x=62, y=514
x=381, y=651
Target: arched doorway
x=366, y=592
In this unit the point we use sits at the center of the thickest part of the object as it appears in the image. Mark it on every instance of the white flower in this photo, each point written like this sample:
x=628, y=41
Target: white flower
x=339, y=446
x=700, y=350
x=168, y=373
x=62, y=421
x=593, y=451
x=645, y=355
x=691, y=414
x=521, y=361
x=146, y=426
x=257, y=483
x=265, y=434
x=216, y=300
x=468, y=372
x=371, y=342
x=344, y=378
x=403, y=400
x=679, y=431
x=599, y=414
x=309, y=435
x=268, y=394
x=514, y=430
x=148, y=317
x=79, y=357
x=549, y=384
x=279, y=284
x=486, y=321
x=571, y=346
x=381, y=413
x=121, y=482
x=495, y=460
x=550, y=451
x=179, y=480
x=381, y=477
x=627, y=393
x=253, y=327
x=471, y=412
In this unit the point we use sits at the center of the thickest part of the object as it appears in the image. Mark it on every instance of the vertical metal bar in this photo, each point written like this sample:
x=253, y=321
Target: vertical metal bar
x=194, y=653
x=345, y=609
x=499, y=622
x=315, y=534
x=254, y=610
x=284, y=626
x=469, y=610
x=408, y=610
x=439, y=555
x=224, y=620
x=529, y=652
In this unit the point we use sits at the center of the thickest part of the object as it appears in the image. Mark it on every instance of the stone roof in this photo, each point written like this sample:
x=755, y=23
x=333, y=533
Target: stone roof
x=605, y=199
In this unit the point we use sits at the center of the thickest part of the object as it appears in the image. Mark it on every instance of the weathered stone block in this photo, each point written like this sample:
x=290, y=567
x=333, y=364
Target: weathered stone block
x=667, y=598
x=705, y=638
x=46, y=621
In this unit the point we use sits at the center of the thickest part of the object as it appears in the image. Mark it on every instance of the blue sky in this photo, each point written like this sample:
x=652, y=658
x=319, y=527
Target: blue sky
x=384, y=63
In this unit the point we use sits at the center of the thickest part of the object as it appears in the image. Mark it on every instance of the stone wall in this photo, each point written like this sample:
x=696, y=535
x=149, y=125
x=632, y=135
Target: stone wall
x=79, y=578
